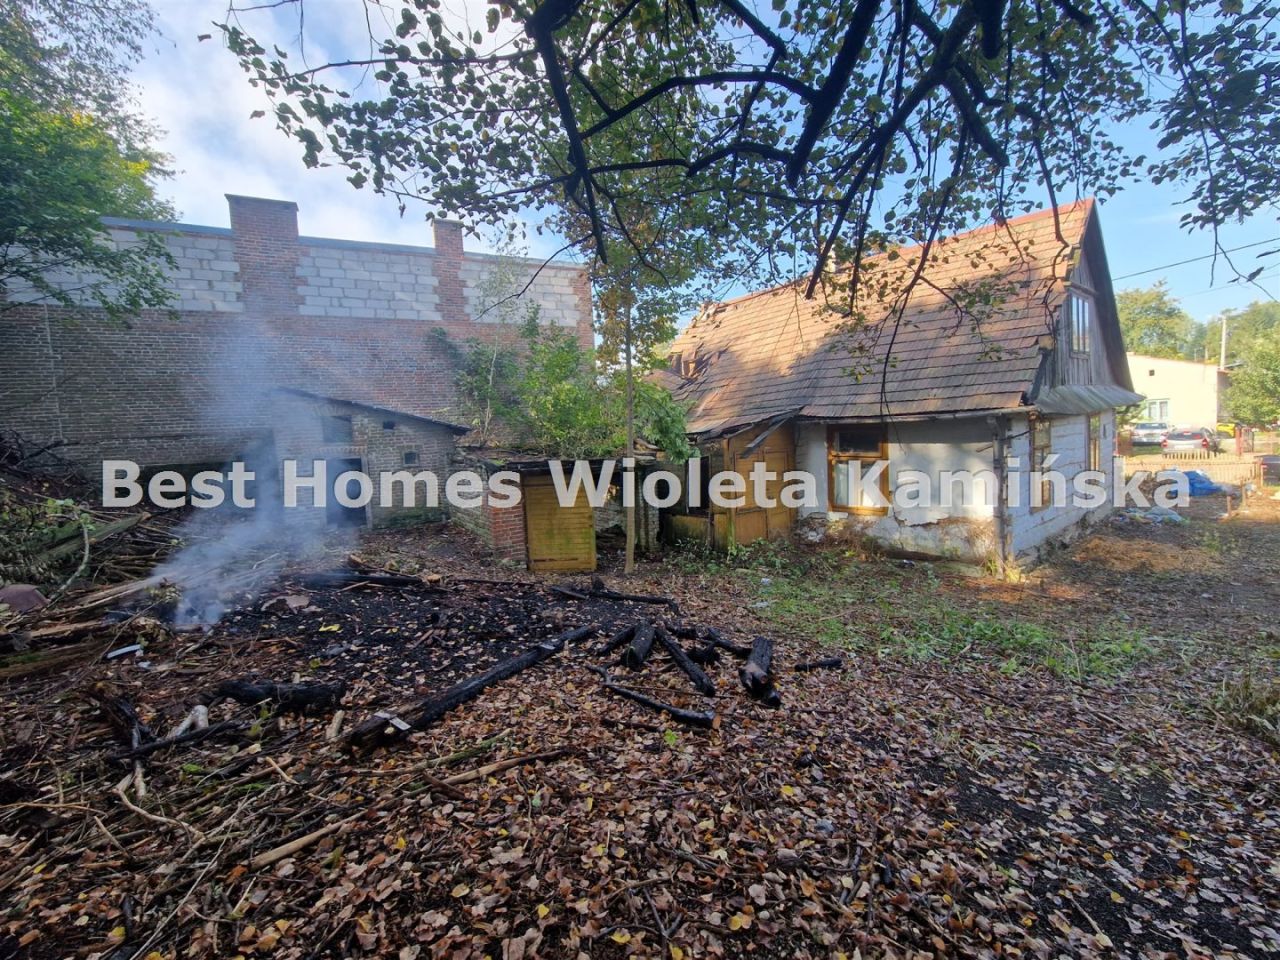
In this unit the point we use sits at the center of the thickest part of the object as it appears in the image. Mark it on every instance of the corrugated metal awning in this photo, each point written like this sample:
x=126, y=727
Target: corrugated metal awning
x=1082, y=398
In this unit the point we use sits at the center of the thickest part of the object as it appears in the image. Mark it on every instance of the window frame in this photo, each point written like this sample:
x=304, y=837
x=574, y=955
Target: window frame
x=1041, y=440
x=1080, y=308
x=1093, y=437
x=835, y=456
x=330, y=436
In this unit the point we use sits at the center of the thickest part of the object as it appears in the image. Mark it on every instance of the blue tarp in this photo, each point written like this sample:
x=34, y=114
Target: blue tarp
x=1200, y=485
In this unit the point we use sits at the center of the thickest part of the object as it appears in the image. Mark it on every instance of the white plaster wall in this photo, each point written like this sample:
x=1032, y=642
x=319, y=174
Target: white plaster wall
x=489, y=280
x=1069, y=439
x=205, y=276
x=359, y=282
x=931, y=447
x=1191, y=388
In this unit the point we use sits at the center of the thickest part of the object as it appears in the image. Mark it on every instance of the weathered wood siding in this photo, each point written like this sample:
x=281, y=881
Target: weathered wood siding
x=559, y=538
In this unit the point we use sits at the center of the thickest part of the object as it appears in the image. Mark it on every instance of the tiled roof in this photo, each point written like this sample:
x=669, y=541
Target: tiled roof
x=968, y=338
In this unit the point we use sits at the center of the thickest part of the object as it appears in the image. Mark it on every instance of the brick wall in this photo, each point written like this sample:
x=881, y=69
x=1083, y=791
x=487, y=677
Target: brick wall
x=259, y=307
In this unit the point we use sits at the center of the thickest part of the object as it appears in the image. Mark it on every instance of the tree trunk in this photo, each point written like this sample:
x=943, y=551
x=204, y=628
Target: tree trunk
x=629, y=565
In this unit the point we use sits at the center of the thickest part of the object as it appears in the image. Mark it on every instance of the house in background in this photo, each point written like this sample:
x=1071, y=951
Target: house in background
x=1181, y=393
x=1008, y=351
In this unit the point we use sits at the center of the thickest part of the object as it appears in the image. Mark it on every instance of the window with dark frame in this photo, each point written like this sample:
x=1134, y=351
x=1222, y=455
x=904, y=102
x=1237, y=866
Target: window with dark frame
x=1079, y=316
x=1041, y=449
x=410, y=457
x=388, y=424
x=336, y=429
x=849, y=445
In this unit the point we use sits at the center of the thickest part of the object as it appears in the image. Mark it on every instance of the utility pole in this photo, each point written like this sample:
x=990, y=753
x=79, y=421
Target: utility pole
x=1222, y=350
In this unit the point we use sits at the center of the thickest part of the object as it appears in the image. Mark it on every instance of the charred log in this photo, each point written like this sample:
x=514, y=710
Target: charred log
x=619, y=639
x=286, y=697
x=825, y=663
x=757, y=673
x=386, y=727
x=641, y=646
x=701, y=682
x=735, y=649
x=702, y=719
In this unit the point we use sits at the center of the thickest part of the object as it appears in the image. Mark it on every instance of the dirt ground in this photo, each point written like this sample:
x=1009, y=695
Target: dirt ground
x=1079, y=764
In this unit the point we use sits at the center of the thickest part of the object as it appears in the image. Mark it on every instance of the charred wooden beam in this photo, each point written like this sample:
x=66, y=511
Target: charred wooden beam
x=641, y=645
x=736, y=649
x=286, y=697
x=619, y=639
x=702, y=719
x=354, y=578
x=600, y=591
x=757, y=673
x=825, y=663
x=388, y=727
x=706, y=654
x=701, y=682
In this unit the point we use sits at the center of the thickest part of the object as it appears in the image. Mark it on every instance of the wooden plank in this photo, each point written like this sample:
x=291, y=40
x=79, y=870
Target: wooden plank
x=559, y=538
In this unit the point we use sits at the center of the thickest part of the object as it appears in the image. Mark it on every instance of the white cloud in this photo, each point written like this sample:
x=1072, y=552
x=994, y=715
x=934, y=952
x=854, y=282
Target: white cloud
x=196, y=91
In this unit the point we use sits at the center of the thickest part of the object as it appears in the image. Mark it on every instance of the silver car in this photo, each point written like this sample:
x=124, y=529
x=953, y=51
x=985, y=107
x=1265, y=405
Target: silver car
x=1149, y=432
x=1202, y=441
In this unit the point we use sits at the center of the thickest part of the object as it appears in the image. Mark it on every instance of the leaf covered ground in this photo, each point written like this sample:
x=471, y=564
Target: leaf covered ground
x=1076, y=765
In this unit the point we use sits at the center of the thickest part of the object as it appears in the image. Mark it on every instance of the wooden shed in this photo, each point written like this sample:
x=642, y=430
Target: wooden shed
x=539, y=532
x=773, y=444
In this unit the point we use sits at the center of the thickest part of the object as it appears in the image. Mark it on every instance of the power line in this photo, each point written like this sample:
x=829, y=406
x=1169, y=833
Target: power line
x=1194, y=259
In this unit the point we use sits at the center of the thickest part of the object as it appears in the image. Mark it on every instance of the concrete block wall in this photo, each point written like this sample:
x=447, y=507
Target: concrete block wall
x=205, y=275
x=253, y=313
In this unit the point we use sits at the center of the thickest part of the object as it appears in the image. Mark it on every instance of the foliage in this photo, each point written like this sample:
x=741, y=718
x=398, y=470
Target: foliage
x=27, y=530
x=59, y=174
x=1247, y=329
x=812, y=129
x=1155, y=325
x=74, y=57
x=1254, y=394
x=1252, y=704
x=73, y=149
x=547, y=397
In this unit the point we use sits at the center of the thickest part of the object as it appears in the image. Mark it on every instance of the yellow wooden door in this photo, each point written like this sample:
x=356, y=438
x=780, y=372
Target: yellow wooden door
x=754, y=521
x=559, y=538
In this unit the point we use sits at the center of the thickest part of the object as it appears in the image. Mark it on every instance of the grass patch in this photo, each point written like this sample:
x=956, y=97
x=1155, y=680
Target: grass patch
x=1253, y=706
x=880, y=607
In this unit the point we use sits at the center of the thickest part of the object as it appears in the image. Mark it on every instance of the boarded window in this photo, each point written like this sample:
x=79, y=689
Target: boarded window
x=1080, y=318
x=850, y=449
x=336, y=429
x=1041, y=449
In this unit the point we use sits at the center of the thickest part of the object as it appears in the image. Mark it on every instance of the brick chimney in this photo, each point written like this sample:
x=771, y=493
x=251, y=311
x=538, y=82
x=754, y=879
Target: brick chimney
x=265, y=237
x=448, y=269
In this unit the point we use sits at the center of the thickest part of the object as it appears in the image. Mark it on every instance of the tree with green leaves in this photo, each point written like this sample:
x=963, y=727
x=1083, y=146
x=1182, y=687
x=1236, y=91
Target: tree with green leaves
x=1155, y=325
x=1254, y=394
x=546, y=396
x=73, y=150
x=809, y=133
x=1248, y=328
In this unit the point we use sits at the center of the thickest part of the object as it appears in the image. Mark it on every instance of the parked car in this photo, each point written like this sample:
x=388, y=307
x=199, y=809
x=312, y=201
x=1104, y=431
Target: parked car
x=1150, y=432
x=1187, y=441
x=1270, y=468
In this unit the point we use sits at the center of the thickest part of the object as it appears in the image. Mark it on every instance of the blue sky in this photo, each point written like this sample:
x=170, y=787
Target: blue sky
x=197, y=93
